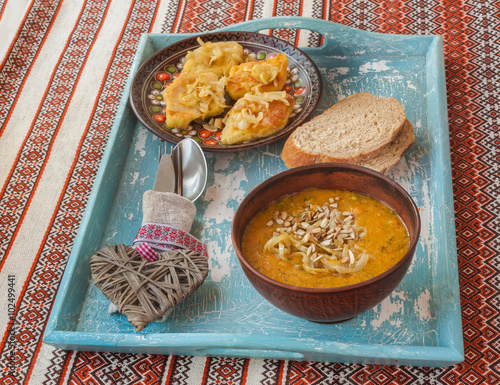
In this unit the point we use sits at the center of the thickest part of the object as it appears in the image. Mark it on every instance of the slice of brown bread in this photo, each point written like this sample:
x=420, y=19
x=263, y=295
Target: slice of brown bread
x=357, y=128
x=392, y=154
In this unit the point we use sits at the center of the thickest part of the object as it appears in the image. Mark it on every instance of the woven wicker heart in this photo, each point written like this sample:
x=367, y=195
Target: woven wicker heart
x=143, y=290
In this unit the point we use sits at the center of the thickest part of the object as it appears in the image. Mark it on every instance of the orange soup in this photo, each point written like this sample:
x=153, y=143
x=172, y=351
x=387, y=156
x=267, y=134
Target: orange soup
x=325, y=238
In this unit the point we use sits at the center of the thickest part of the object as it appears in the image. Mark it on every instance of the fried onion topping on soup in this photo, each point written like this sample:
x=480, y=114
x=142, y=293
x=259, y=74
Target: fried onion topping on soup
x=325, y=238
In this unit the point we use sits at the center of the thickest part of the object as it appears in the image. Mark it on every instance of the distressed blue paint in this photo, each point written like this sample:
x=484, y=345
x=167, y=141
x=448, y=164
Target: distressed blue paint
x=419, y=324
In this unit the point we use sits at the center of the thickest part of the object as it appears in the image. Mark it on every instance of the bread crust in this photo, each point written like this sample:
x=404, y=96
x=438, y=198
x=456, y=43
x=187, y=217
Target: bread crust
x=392, y=154
x=293, y=155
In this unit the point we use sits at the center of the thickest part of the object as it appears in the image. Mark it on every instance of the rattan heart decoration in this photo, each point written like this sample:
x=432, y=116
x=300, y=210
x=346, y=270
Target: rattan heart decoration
x=144, y=290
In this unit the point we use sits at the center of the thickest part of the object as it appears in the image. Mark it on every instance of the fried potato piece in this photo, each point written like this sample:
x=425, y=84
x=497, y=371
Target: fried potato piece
x=218, y=58
x=269, y=75
x=194, y=96
x=257, y=116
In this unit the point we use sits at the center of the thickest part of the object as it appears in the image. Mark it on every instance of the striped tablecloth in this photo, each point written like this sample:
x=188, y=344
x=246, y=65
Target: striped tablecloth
x=63, y=68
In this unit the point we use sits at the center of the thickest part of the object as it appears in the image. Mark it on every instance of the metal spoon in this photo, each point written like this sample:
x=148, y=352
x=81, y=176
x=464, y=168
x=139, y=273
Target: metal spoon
x=191, y=176
x=177, y=161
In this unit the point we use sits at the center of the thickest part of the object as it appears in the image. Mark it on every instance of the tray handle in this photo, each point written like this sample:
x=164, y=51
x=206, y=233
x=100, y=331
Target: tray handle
x=250, y=353
x=323, y=27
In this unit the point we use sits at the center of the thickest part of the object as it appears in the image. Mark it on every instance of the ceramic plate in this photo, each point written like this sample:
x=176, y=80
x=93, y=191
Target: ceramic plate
x=303, y=83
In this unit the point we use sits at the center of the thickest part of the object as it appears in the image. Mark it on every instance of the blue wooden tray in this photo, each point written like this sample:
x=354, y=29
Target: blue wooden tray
x=419, y=324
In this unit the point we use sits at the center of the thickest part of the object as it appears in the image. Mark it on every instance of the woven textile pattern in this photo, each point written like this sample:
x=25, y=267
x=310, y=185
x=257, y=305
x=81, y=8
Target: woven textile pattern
x=96, y=39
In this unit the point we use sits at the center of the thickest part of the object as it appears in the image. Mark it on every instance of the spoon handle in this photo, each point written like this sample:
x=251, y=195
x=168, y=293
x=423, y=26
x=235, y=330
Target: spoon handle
x=178, y=170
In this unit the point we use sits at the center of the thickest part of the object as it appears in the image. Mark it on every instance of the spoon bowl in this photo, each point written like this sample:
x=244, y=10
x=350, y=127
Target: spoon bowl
x=193, y=170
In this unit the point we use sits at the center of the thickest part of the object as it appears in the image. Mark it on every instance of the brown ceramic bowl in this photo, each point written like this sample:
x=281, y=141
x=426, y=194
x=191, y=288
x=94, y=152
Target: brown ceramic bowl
x=340, y=303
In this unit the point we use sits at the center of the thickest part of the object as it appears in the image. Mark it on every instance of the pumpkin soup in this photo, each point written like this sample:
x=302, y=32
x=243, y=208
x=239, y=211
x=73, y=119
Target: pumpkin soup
x=325, y=238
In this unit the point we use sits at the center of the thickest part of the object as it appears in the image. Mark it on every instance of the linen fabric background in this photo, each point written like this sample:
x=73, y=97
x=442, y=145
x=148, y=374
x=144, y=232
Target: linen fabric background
x=63, y=70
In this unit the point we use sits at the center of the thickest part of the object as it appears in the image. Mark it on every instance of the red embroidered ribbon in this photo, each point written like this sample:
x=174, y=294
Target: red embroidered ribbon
x=159, y=237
